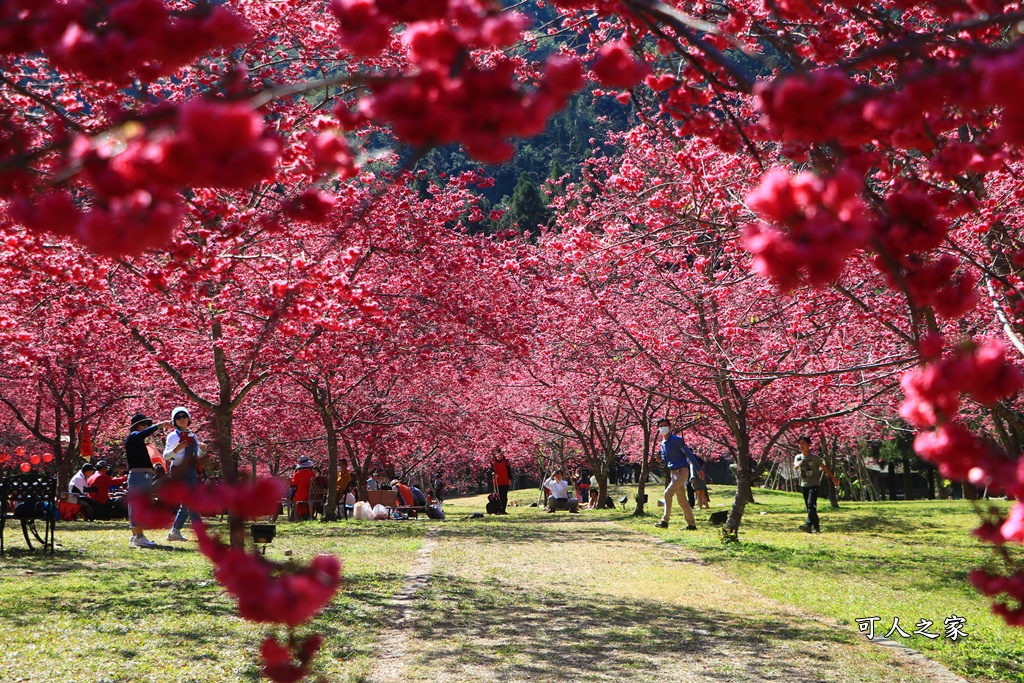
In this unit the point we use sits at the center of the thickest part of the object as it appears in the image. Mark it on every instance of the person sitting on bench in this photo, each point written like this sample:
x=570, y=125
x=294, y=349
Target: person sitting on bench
x=560, y=498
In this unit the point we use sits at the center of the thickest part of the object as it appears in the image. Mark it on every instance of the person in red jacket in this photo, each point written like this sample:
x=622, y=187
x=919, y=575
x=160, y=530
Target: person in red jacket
x=301, y=480
x=502, y=479
x=101, y=496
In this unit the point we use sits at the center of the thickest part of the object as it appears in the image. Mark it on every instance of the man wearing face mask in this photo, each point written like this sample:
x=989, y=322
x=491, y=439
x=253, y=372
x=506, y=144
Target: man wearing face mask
x=677, y=458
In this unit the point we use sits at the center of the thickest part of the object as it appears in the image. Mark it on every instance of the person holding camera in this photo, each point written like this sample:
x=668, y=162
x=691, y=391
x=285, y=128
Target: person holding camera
x=182, y=455
x=140, y=471
x=560, y=498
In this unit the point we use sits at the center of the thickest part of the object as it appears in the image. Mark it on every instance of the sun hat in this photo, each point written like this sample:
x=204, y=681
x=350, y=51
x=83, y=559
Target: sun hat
x=180, y=409
x=139, y=418
x=304, y=462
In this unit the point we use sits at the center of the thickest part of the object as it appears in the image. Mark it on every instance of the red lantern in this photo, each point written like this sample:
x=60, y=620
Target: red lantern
x=48, y=457
x=25, y=467
x=20, y=451
x=35, y=459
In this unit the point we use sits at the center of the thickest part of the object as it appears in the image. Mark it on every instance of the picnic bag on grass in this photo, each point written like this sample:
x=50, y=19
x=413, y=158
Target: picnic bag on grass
x=362, y=510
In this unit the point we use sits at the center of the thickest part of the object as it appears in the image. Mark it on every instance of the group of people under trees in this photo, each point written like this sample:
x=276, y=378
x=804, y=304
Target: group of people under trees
x=180, y=459
x=182, y=452
x=685, y=474
x=307, y=477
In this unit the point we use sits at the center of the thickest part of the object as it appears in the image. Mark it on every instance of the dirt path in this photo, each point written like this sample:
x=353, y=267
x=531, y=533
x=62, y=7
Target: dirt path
x=559, y=600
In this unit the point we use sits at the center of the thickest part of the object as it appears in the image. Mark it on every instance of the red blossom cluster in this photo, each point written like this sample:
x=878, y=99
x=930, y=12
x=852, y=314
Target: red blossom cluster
x=825, y=221
x=446, y=94
x=616, y=67
x=981, y=371
x=935, y=284
x=1012, y=586
x=831, y=105
x=134, y=175
x=268, y=592
x=289, y=663
x=932, y=403
x=112, y=40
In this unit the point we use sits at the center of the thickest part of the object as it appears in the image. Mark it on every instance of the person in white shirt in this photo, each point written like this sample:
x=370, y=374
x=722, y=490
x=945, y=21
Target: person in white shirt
x=559, y=498
x=78, y=485
x=81, y=480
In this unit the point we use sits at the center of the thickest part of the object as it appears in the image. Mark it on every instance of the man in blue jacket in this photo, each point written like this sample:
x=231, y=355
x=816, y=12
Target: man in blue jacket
x=677, y=458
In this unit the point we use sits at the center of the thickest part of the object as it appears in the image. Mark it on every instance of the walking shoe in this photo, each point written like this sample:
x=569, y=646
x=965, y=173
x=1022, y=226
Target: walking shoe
x=815, y=530
x=691, y=527
x=662, y=524
x=175, y=535
x=141, y=541
x=805, y=527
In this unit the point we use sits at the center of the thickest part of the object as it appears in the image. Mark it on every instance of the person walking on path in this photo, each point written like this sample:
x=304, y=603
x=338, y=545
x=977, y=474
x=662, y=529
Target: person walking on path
x=810, y=467
x=140, y=471
x=182, y=453
x=678, y=458
x=502, y=479
x=560, y=498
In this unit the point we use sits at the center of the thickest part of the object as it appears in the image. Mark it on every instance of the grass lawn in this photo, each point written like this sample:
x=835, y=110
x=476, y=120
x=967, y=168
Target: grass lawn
x=99, y=612
x=891, y=559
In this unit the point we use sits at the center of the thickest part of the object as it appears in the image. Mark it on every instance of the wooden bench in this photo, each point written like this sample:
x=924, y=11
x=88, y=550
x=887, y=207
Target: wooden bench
x=36, y=494
x=385, y=497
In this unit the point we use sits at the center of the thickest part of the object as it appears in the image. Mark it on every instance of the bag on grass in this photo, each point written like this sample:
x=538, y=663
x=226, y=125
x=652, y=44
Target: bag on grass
x=380, y=512
x=435, y=512
x=362, y=510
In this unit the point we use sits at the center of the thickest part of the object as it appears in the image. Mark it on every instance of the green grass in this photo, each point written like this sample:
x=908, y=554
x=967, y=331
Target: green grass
x=887, y=559
x=905, y=559
x=99, y=611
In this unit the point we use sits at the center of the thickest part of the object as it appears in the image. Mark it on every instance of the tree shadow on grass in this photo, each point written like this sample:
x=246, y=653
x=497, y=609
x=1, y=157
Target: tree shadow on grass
x=881, y=524
x=532, y=530
x=535, y=634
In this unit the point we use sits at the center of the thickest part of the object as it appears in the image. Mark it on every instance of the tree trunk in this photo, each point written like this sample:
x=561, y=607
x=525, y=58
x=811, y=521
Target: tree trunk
x=330, y=513
x=908, y=480
x=645, y=473
x=892, y=481
x=223, y=425
x=743, y=492
x=931, y=483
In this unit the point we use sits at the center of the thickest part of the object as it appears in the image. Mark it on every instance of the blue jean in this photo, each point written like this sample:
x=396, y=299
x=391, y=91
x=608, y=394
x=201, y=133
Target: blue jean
x=811, y=503
x=137, y=482
x=183, y=513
